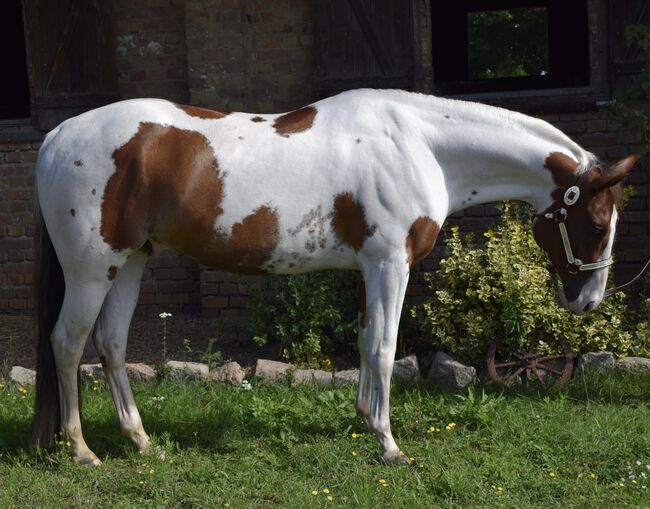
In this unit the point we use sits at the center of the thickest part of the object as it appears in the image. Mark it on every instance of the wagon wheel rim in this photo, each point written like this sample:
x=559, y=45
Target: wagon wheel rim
x=551, y=371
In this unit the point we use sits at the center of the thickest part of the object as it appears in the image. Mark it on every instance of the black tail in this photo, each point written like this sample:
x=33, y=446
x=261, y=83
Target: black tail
x=49, y=287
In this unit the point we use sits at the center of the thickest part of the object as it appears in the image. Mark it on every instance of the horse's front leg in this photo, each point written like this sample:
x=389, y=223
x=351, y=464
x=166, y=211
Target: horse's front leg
x=385, y=288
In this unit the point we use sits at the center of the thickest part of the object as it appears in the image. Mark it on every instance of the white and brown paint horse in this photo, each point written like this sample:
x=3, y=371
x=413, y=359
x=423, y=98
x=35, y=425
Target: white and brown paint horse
x=362, y=180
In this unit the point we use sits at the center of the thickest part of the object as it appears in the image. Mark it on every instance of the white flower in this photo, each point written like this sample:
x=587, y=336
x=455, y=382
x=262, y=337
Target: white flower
x=246, y=385
x=164, y=315
x=157, y=398
x=638, y=462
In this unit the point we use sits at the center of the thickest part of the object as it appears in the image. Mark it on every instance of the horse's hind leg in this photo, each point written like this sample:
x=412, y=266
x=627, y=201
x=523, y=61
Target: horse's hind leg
x=81, y=304
x=365, y=377
x=110, y=334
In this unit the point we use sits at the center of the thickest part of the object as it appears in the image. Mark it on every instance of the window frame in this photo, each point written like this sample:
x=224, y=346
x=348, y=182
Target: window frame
x=538, y=100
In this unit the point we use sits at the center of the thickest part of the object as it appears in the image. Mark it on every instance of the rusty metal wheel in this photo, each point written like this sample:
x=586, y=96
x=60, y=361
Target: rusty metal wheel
x=508, y=367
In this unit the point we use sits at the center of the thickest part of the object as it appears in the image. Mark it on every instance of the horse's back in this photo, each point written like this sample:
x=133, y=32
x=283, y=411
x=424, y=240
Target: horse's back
x=242, y=192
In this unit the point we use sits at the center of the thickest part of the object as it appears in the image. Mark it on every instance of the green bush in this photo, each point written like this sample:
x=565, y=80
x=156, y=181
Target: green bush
x=503, y=290
x=311, y=315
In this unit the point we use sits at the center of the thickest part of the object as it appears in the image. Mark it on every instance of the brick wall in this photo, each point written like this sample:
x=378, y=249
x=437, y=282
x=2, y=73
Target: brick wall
x=16, y=225
x=255, y=55
x=150, y=49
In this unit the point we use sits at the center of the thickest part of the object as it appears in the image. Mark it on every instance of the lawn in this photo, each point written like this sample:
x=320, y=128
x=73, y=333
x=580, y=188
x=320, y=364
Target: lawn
x=281, y=447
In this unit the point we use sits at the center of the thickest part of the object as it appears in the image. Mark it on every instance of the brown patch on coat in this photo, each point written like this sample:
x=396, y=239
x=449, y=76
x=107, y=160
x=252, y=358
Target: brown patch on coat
x=168, y=188
x=253, y=240
x=363, y=314
x=420, y=239
x=112, y=272
x=258, y=119
x=204, y=113
x=349, y=221
x=296, y=121
x=562, y=167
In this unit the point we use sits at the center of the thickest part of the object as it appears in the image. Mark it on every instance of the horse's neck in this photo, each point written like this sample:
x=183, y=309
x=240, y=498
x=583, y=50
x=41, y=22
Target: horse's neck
x=487, y=155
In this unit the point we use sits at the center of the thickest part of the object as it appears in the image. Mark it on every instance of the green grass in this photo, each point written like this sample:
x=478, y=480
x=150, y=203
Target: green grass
x=272, y=446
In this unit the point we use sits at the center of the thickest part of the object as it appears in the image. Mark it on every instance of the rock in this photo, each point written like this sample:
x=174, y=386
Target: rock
x=633, y=365
x=91, y=372
x=271, y=371
x=230, y=372
x=22, y=376
x=450, y=373
x=179, y=370
x=139, y=372
x=315, y=376
x=349, y=376
x=597, y=361
x=406, y=369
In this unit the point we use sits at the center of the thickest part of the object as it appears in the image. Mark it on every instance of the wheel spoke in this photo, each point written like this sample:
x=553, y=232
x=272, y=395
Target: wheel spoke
x=511, y=378
x=547, y=368
x=539, y=375
x=550, y=358
x=507, y=364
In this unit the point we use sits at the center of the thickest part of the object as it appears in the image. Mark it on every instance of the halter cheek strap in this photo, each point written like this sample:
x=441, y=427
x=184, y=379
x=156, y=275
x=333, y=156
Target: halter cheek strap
x=571, y=196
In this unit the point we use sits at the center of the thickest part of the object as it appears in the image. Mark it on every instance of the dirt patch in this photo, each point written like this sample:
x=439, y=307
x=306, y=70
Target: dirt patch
x=17, y=340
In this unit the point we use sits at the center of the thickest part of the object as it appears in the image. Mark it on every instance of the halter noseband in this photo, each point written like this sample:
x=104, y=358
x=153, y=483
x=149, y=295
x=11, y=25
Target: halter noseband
x=574, y=265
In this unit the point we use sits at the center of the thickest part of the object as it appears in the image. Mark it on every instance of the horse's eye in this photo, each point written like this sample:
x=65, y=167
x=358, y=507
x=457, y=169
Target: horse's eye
x=598, y=230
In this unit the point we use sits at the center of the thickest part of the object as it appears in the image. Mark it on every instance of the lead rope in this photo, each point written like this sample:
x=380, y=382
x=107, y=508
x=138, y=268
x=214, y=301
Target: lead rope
x=617, y=289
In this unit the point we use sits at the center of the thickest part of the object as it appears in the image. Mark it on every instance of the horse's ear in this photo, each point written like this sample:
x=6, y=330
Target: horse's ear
x=615, y=173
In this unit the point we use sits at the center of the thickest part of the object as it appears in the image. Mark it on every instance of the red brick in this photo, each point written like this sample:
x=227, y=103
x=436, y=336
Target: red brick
x=214, y=302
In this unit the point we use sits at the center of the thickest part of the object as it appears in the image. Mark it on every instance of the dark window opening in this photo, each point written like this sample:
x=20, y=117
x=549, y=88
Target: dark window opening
x=508, y=45
x=14, y=86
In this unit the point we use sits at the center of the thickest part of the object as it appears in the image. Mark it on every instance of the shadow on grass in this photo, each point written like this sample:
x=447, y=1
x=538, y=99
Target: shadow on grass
x=217, y=418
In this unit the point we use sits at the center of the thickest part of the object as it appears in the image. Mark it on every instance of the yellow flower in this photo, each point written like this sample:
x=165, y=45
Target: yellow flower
x=151, y=471
x=411, y=458
x=621, y=485
x=433, y=429
x=382, y=481
x=356, y=435
x=450, y=426
x=314, y=492
x=551, y=474
x=68, y=443
x=421, y=465
x=593, y=476
x=326, y=491
x=141, y=482
x=354, y=453
x=330, y=498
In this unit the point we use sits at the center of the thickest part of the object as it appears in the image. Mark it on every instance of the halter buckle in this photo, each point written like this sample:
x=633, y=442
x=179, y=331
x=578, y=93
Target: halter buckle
x=571, y=195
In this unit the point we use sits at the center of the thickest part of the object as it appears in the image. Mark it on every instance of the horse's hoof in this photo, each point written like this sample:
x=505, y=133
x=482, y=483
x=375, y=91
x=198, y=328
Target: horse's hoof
x=88, y=460
x=160, y=454
x=395, y=458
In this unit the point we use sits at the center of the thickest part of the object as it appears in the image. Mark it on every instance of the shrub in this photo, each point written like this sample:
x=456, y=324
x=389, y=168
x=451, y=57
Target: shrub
x=503, y=290
x=311, y=315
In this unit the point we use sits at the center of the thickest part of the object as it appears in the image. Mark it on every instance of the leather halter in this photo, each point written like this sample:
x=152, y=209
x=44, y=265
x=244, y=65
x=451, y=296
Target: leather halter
x=575, y=265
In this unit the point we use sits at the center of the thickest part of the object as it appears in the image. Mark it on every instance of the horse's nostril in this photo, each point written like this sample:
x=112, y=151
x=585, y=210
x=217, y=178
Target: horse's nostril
x=590, y=305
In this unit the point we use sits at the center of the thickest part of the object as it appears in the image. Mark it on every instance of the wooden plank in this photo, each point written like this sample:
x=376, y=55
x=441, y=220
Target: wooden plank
x=380, y=53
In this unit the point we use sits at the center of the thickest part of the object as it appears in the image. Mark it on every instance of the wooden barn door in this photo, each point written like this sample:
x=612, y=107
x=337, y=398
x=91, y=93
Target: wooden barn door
x=364, y=43
x=627, y=61
x=70, y=45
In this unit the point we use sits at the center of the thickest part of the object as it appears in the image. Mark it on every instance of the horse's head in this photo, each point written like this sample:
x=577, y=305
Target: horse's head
x=577, y=230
